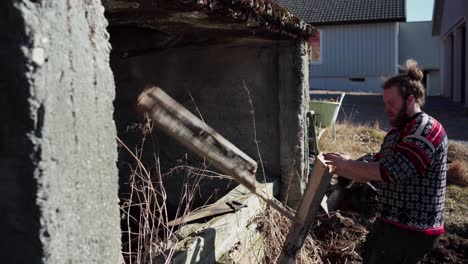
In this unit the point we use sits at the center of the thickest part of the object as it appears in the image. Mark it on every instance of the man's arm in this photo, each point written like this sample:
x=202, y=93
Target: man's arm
x=361, y=171
x=354, y=170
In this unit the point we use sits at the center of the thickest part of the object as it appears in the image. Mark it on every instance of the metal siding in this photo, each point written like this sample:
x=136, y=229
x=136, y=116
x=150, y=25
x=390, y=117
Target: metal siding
x=357, y=51
x=372, y=84
x=416, y=42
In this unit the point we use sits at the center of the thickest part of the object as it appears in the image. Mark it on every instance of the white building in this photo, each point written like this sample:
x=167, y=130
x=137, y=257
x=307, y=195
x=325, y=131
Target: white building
x=363, y=41
x=450, y=26
x=416, y=42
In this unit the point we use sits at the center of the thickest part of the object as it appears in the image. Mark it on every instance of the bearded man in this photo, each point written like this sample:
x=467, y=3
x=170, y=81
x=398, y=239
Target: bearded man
x=410, y=171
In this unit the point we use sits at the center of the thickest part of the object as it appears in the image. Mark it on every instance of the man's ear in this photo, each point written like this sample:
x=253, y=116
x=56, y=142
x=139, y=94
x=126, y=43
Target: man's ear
x=410, y=100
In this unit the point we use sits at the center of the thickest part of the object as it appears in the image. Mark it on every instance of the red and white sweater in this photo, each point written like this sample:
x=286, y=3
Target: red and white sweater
x=413, y=164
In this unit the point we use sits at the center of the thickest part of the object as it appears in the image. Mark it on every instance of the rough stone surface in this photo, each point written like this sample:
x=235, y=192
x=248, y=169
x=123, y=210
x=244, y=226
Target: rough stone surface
x=58, y=179
x=294, y=104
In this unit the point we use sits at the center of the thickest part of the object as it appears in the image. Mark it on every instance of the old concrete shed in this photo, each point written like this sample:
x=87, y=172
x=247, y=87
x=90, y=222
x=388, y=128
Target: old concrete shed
x=204, y=54
x=57, y=143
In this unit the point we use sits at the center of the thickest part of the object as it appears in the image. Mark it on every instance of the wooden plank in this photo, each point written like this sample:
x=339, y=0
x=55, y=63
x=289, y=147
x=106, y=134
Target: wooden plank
x=313, y=139
x=208, y=242
x=209, y=211
x=190, y=131
x=316, y=188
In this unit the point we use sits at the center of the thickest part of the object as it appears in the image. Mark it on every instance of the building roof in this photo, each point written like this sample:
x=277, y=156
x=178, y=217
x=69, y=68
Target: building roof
x=214, y=17
x=333, y=12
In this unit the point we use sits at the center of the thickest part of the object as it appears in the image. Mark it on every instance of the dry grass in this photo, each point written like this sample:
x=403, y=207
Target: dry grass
x=458, y=151
x=340, y=238
x=354, y=140
x=146, y=234
x=456, y=209
x=457, y=173
x=275, y=228
x=334, y=239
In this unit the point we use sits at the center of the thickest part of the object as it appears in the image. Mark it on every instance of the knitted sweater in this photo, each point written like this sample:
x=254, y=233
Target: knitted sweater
x=413, y=165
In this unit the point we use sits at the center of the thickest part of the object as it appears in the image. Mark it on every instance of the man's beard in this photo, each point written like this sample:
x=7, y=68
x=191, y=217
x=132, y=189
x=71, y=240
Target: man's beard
x=401, y=117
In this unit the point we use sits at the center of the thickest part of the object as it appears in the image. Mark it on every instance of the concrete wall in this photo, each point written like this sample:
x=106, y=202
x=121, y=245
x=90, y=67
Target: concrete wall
x=455, y=64
x=58, y=180
x=434, y=84
x=416, y=42
x=356, y=51
x=209, y=81
x=293, y=93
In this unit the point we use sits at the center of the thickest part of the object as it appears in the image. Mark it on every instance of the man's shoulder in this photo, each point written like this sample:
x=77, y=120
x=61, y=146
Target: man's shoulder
x=392, y=134
x=426, y=127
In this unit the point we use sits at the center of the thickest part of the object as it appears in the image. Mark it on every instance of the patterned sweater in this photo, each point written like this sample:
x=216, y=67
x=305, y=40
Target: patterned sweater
x=413, y=164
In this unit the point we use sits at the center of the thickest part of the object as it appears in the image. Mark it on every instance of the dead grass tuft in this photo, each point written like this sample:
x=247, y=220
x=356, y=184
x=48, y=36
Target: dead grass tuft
x=458, y=151
x=340, y=238
x=147, y=237
x=456, y=209
x=334, y=239
x=457, y=173
x=354, y=140
x=275, y=227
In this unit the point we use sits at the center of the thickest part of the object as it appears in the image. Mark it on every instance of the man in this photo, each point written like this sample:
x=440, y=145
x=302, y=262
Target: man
x=410, y=169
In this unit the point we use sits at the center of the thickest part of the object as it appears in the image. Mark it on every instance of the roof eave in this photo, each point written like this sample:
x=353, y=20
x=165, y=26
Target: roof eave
x=209, y=17
x=368, y=21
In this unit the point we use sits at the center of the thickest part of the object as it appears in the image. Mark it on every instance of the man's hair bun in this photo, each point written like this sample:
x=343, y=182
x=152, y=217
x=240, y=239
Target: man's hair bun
x=413, y=71
x=409, y=82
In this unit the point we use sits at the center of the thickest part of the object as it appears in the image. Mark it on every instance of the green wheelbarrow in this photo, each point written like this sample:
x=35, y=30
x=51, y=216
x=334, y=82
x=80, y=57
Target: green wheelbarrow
x=326, y=113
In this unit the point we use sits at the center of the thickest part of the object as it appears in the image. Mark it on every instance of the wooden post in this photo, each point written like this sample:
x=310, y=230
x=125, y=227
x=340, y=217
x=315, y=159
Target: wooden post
x=313, y=140
x=316, y=188
x=196, y=135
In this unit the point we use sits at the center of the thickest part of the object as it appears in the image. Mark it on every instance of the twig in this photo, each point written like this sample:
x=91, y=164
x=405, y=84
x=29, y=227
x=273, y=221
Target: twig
x=252, y=111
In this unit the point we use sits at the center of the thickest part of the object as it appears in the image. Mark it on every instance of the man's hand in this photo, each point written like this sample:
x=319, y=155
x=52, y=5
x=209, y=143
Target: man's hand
x=354, y=170
x=337, y=161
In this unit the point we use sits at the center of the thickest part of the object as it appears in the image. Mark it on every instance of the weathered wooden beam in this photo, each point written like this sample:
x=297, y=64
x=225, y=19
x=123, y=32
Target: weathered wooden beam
x=211, y=241
x=316, y=188
x=190, y=131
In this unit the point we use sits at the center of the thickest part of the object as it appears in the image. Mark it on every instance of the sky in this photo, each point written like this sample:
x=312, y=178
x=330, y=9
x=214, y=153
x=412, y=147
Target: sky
x=419, y=10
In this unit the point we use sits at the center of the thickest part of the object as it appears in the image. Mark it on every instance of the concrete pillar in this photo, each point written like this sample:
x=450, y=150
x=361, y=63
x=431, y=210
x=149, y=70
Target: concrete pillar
x=457, y=65
x=58, y=179
x=448, y=78
x=293, y=95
